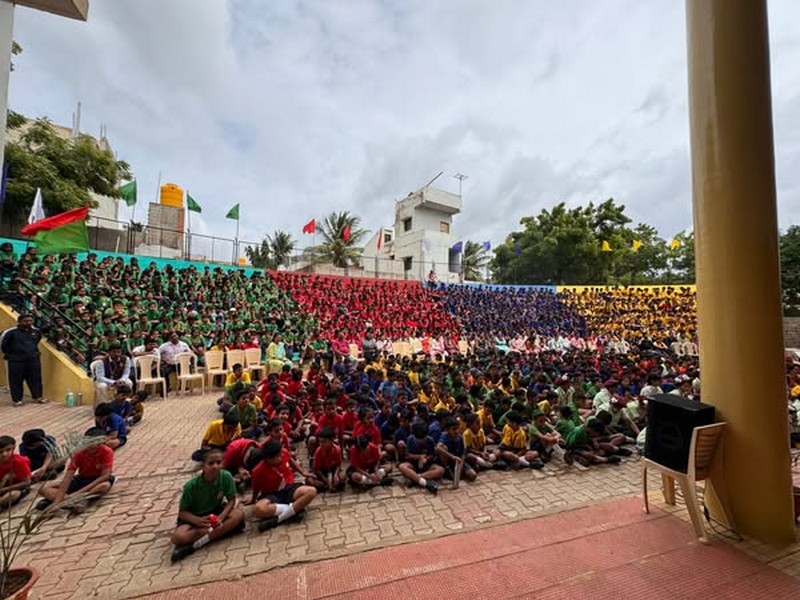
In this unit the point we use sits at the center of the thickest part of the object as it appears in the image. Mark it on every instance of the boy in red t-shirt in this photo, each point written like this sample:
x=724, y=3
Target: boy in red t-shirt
x=326, y=465
x=365, y=470
x=236, y=458
x=88, y=473
x=329, y=419
x=276, y=496
x=15, y=473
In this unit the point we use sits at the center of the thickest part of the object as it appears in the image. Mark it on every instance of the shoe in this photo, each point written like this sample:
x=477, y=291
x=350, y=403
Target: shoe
x=569, y=458
x=266, y=524
x=17, y=403
x=43, y=504
x=537, y=464
x=239, y=528
x=584, y=462
x=181, y=552
x=614, y=459
x=387, y=481
x=624, y=452
x=296, y=517
x=499, y=465
x=432, y=487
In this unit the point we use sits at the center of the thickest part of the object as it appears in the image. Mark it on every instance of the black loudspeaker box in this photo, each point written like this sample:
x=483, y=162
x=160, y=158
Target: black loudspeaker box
x=670, y=421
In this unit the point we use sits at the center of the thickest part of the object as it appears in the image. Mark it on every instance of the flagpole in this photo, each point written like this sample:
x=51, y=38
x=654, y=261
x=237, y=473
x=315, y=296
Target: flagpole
x=189, y=228
x=236, y=244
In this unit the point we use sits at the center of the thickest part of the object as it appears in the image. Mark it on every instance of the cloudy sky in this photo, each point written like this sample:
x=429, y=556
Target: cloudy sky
x=297, y=108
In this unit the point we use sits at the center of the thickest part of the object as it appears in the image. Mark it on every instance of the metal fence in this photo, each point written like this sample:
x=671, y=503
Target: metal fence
x=111, y=235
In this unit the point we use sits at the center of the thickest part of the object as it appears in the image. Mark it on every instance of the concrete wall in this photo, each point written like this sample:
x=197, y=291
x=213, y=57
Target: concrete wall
x=59, y=373
x=791, y=332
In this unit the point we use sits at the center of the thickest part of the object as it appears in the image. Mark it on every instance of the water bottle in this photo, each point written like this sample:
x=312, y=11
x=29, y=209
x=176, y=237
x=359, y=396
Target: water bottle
x=79, y=399
x=70, y=399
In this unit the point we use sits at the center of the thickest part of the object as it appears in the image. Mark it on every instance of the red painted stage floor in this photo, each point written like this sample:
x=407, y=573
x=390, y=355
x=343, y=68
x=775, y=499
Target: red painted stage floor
x=611, y=550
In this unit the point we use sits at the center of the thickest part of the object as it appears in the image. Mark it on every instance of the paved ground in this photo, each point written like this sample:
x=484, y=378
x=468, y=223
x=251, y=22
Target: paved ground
x=120, y=548
x=611, y=550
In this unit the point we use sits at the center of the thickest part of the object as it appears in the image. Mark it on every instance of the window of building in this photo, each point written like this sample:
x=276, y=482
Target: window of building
x=407, y=224
x=408, y=262
x=444, y=227
x=387, y=237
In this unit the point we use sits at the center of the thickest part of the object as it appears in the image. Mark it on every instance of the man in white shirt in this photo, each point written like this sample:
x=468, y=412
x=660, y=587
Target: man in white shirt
x=168, y=351
x=112, y=372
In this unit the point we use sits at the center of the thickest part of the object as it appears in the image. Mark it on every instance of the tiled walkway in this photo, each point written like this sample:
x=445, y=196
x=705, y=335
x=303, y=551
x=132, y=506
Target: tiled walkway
x=120, y=548
x=611, y=550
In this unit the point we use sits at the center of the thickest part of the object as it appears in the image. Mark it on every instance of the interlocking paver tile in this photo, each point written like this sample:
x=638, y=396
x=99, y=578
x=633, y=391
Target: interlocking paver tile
x=130, y=527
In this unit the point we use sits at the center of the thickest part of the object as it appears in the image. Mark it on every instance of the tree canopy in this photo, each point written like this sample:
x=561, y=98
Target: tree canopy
x=341, y=234
x=273, y=252
x=66, y=170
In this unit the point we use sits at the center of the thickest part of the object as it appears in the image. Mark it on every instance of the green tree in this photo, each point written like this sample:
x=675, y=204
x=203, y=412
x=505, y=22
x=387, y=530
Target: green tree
x=281, y=246
x=680, y=259
x=334, y=248
x=66, y=170
x=259, y=256
x=474, y=259
x=790, y=268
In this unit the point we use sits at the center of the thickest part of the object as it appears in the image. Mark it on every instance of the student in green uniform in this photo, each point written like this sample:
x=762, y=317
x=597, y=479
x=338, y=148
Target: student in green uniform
x=583, y=445
x=207, y=510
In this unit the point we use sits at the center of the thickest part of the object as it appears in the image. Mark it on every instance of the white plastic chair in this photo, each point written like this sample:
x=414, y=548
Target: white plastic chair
x=254, y=364
x=144, y=373
x=233, y=357
x=703, y=448
x=214, y=360
x=186, y=363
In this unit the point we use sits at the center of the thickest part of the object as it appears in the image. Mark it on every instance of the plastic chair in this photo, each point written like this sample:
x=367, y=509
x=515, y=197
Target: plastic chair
x=463, y=347
x=214, y=366
x=254, y=364
x=99, y=392
x=703, y=448
x=233, y=357
x=144, y=373
x=186, y=363
x=354, y=351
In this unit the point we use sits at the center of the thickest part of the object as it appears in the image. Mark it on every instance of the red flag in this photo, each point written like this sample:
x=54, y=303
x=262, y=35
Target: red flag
x=65, y=218
x=380, y=239
x=346, y=233
x=310, y=227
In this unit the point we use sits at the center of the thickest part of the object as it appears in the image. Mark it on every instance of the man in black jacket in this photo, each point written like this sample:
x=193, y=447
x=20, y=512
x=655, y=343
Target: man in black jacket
x=21, y=350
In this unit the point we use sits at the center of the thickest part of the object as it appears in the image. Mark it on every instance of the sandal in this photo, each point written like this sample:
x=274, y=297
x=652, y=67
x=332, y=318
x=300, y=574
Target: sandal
x=42, y=401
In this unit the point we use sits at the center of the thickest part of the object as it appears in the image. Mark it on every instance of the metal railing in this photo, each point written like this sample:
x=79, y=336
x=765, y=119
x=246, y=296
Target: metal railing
x=68, y=336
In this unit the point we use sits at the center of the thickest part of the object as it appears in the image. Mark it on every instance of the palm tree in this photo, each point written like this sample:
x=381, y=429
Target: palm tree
x=474, y=261
x=281, y=246
x=259, y=256
x=334, y=248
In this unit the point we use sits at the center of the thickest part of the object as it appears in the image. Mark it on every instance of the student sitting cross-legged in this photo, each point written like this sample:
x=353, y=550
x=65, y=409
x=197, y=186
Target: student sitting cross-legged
x=40, y=449
x=451, y=452
x=15, y=473
x=276, y=495
x=326, y=466
x=365, y=470
x=514, y=445
x=208, y=508
x=420, y=466
x=89, y=472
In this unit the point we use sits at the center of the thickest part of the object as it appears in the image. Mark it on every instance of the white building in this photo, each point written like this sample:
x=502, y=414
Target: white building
x=420, y=240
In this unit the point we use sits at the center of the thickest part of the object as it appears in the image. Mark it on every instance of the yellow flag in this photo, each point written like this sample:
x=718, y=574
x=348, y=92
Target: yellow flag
x=606, y=247
x=636, y=245
x=675, y=244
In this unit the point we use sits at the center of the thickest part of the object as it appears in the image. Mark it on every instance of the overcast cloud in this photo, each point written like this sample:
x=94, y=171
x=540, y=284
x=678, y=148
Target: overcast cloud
x=295, y=109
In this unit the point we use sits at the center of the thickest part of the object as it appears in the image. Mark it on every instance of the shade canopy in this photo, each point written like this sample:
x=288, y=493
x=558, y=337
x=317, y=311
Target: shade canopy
x=73, y=9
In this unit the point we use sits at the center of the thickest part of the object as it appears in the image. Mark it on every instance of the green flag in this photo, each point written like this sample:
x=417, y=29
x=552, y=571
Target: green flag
x=71, y=237
x=233, y=213
x=128, y=192
x=192, y=205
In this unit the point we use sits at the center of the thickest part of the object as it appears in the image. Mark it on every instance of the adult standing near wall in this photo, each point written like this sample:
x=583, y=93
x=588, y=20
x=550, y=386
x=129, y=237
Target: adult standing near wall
x=21, y=351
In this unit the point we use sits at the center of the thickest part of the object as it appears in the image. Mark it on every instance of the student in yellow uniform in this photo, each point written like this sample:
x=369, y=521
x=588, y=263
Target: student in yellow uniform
x=219, y=434
x=514, y=445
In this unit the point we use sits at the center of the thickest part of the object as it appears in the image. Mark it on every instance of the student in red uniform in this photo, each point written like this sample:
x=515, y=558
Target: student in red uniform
x=366, y=426
x=276, y=495
x=236, y=458
x=15, y=473
x=365, y=470
x=330, y=420
x=326, y=474
x=276, y=431
x=89, y=472
x=349, y=420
